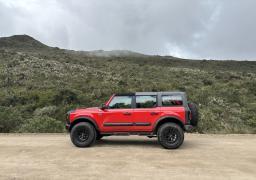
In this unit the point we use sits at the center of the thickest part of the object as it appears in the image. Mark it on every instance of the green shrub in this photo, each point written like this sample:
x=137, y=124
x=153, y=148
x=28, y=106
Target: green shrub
x=65, y=96
x=42, y=124
x=252, y=123
x=10, y=119
x=46, y=111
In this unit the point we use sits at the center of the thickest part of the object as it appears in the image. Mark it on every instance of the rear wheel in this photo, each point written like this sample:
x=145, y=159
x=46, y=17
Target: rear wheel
x=170, y=135
x=83, y=134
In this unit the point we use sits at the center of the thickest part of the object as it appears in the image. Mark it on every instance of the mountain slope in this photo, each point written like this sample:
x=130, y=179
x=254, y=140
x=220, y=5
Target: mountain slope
x=27, y=43
x=20, y=42
x=40, y=83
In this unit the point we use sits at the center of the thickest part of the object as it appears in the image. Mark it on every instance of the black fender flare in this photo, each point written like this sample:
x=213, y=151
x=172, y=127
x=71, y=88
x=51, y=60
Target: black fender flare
x=177, y=119
x=86, y=118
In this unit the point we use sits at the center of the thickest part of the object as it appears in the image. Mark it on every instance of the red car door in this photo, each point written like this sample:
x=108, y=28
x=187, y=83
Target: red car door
x=145, y=113
x=118, y=116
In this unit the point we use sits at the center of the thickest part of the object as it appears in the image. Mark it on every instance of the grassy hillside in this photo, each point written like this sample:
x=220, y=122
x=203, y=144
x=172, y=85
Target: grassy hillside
x=38, y=84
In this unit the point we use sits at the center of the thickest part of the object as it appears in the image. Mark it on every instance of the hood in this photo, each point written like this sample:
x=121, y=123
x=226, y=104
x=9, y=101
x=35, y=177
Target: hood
x=90, y=109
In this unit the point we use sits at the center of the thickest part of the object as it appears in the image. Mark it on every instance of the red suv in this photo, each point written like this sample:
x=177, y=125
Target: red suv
x=165, y=115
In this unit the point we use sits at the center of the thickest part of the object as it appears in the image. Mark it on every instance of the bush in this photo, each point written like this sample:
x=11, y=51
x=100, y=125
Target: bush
x=252, y=123
x=10, y=119
x=46, y=111
x=65, y=96
x=42, y=124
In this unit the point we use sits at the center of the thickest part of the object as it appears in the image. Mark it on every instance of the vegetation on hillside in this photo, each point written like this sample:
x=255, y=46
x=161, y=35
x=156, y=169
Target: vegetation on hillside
x=39, y=84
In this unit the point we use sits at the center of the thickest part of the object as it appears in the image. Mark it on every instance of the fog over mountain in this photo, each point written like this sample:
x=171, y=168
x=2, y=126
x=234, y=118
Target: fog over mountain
x=197, y=29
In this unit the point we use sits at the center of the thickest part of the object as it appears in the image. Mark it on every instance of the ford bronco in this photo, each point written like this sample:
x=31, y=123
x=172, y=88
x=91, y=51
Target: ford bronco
x=165, y=115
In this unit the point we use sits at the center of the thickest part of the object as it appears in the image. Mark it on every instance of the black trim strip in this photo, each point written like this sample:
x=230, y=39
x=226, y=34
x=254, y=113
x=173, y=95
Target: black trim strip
x=118, y=124
x=128, y=124
x=142, y=124
x=125, y=94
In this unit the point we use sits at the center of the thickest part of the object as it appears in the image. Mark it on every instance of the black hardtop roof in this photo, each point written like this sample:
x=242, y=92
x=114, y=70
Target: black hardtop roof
x=151, y=93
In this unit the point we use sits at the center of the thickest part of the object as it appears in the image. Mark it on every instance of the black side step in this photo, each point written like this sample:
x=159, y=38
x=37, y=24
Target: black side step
x=129, y=133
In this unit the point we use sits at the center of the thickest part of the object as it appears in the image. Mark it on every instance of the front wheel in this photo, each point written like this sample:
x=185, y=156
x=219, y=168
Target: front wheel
x=170, y=135
x=83, y=134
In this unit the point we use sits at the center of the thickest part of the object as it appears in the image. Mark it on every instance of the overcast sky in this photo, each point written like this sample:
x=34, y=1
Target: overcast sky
x=200, y=29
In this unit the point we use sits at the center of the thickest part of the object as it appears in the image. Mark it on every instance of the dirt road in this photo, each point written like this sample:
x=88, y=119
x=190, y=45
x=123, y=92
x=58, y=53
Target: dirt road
x=52, y=156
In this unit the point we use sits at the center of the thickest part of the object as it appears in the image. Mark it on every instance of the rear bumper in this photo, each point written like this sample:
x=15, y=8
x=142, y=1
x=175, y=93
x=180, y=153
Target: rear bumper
x=188, y=128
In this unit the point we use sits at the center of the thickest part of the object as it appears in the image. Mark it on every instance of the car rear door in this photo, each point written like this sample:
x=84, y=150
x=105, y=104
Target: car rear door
x=145, y=113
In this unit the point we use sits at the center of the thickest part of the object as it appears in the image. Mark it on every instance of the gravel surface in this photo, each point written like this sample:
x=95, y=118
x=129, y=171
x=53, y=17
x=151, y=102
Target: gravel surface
x=53, y=156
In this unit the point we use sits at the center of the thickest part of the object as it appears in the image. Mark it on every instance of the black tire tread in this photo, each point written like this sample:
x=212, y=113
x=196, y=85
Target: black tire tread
x=92, y=136
x=180, y=136
x=194, y=112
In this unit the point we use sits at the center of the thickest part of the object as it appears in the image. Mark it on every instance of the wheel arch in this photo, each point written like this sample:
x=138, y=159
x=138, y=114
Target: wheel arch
x=84, y=119
x=167, y=119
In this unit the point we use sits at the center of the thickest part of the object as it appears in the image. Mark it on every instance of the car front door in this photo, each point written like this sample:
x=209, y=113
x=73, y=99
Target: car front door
x=118, y=116
x=145, y=113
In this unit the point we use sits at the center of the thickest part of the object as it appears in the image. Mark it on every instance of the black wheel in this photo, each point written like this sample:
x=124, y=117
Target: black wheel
x=83, y=134
x=99, y=136
x=170, y=135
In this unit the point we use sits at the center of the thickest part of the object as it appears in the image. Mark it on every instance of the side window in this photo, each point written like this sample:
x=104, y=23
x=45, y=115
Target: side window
x=145, y=101
x=119, y=102
x=172, y=100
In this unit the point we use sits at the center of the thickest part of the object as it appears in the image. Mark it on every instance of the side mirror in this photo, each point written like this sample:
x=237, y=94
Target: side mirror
x=103, y=106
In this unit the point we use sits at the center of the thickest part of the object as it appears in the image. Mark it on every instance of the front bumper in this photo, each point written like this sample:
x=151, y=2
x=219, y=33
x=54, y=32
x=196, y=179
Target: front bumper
x=67, y=126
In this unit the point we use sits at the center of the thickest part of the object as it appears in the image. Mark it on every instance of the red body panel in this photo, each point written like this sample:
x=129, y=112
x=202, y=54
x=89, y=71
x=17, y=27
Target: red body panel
x=148, y=116
x=114, y=117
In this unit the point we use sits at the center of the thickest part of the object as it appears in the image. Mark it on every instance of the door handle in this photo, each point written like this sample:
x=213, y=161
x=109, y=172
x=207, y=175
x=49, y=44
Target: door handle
x=127, y=113
x=154, y=113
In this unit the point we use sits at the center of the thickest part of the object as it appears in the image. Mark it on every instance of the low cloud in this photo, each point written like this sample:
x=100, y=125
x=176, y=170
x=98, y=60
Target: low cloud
x=221, y=29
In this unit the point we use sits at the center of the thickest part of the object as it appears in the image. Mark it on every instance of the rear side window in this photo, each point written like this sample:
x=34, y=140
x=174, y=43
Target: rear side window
x=119, y=102
x=145, y=101
x=172, y=100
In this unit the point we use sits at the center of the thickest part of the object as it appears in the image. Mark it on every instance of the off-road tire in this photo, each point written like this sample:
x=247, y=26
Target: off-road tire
x=194, y=113
x=170, y=135
x=83, y=134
